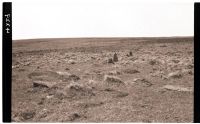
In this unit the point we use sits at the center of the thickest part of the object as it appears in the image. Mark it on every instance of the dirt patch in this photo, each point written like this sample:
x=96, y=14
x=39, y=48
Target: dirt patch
x=103, y=80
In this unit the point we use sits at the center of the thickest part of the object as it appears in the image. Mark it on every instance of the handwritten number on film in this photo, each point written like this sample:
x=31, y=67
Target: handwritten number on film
x=8, y=26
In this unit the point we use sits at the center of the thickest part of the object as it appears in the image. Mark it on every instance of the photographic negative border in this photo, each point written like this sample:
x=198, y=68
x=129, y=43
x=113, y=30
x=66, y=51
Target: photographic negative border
x=196, y=62
x=7, y=60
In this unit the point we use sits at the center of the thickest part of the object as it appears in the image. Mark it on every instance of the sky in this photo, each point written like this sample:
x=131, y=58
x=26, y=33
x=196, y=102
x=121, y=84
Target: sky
x=102, y=18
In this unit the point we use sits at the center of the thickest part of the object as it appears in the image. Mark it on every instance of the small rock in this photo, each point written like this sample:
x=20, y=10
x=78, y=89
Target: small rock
x=41, y=101
x=110, y=61
x=63, y=73
x=146, y=82
x=163, y=46
x=175, y=61
x=143, y=81
x=67, y=69
x=115, y=72
x=92, y=81
x=66, y=76
x=75, y=90
x=15, y=66
x=113, y=79
x=39, y=84
x=27, y=115
x=50, y=96
x=136, y=79
x=133, y=58
x=190, y=72
x=60, y=95
x=174, y=75
x=71, y=61
x=74, y=116
x=176, y=88
x=152, y=62
x=108, y=89
x=74, y=77
x=189, y=66
x=131, y=71
x=187, y=71
x=122, y=94
x=43, y=84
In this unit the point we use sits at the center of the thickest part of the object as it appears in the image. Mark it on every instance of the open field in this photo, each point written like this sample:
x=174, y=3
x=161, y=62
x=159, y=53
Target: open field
x=75, y=80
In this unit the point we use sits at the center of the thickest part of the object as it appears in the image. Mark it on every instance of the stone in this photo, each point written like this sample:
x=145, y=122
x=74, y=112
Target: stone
x=71, y=61
x=174, y=75
x=113, y=79
x=75, y=90
x=27, y=115
x=43, y=84
x=66, y=76
x=131, y=71
x=143, y=81
x=176, y=88
x=110, y=61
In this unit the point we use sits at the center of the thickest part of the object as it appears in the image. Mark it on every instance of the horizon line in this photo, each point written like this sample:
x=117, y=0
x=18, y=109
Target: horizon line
x=104, y=37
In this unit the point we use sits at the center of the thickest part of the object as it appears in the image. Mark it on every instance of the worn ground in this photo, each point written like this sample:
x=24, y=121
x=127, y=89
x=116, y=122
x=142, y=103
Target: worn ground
x=73, y=80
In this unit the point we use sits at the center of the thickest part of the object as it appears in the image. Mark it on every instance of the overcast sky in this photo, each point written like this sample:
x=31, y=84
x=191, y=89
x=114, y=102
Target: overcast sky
x=102, y=18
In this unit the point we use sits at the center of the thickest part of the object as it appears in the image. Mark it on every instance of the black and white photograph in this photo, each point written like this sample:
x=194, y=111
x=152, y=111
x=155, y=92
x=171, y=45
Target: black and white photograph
x=102, y=61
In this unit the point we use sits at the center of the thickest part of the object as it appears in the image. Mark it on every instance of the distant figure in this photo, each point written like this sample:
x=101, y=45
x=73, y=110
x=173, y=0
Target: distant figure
x=115, y=58
x=130, y=53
